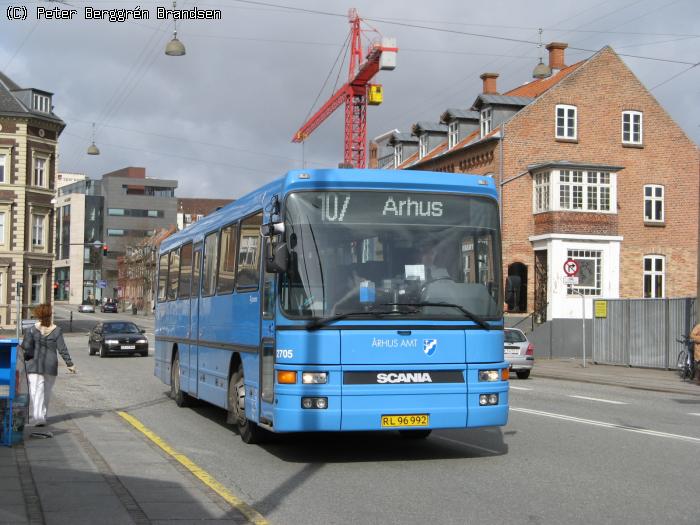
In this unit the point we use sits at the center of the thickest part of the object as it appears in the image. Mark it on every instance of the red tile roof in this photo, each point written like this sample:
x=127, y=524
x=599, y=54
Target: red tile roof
x=537, y=87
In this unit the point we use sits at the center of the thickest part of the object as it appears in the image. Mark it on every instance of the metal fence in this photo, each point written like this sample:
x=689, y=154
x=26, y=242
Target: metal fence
x=642, y=332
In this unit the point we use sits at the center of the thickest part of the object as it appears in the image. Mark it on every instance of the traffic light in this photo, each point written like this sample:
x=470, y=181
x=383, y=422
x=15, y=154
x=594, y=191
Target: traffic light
x=105, y=249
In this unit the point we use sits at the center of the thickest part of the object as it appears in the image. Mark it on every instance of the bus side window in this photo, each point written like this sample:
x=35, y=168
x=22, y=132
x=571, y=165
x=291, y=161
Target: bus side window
x=174, y=274
x=249, y=253
x=183, y=291
x=162, y=277
x=196, y=271
x=210, y=249
x=227, y=260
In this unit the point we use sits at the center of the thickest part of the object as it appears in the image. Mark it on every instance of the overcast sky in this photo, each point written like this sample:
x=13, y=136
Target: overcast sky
x=220, y=119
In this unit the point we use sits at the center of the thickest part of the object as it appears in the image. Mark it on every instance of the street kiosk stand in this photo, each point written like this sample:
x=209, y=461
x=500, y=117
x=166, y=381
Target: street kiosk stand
x=14, y=398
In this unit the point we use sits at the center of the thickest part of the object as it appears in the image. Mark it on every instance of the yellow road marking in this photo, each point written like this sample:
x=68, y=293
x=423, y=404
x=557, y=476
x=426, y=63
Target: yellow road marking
x=249, y=512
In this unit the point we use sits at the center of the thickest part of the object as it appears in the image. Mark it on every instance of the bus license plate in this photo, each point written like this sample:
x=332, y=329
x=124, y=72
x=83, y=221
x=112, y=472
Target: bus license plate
x=406, y=420
x=128, y=347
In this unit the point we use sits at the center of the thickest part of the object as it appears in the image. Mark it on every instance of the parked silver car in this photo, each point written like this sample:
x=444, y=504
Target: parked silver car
x=519, y=352
x=87, y=308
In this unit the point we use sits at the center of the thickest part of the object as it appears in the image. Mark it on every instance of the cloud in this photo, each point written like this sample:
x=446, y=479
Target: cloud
x=220, y=119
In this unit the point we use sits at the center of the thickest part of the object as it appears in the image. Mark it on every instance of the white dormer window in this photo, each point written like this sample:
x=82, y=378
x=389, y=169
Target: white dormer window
x=486, y=120
x=631, y=127
x=452, y=134
x=565, y=122
x=41, y=103
x=422, y=146
x=398, y=155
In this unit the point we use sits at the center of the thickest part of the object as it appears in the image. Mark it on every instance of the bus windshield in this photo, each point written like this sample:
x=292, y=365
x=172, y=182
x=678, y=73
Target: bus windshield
x=372, y=251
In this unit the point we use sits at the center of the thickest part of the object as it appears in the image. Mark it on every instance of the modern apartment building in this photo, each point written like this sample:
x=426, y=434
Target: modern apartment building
x=29, y=131
x=135, y=206
x=79, y=225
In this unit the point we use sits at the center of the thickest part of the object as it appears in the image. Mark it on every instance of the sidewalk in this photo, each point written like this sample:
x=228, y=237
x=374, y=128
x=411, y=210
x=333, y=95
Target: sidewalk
x=98, y=469
x=637, y=378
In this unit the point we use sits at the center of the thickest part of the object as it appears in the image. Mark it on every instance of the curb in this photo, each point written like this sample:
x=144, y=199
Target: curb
x=595, y=381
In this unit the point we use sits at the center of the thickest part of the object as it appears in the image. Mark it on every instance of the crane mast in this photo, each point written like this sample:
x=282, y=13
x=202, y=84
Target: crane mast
x=354, y=94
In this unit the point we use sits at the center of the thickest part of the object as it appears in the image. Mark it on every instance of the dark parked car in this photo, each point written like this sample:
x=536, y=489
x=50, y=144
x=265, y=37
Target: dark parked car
x=117, y=337
x=110, y=307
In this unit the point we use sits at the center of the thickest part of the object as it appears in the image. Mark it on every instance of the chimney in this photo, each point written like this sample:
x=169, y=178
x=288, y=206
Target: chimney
x=489, y=83
x=556, y=54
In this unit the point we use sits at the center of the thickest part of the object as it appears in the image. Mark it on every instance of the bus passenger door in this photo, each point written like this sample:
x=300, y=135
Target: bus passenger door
x=194, y=320
x=267, y=340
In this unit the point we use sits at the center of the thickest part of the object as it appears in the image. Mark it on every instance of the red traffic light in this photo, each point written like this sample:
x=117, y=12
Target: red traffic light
x=105, y=249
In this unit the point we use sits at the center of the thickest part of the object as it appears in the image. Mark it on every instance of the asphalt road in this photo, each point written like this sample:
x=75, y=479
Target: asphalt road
x=571, y=453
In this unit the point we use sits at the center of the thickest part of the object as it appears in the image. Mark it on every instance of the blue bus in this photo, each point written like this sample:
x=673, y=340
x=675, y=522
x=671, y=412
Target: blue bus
x=340, y=300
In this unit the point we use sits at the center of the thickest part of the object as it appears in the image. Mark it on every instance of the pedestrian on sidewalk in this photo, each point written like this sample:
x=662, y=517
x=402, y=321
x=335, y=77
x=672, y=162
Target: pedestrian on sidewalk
x=695, y=337
x=41, y=344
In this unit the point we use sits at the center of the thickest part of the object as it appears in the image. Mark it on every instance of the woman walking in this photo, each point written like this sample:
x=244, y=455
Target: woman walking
x=41, y=344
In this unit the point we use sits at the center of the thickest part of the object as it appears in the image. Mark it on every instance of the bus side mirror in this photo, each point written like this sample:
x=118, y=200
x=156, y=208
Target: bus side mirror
x=273, y=228
x=280, y=259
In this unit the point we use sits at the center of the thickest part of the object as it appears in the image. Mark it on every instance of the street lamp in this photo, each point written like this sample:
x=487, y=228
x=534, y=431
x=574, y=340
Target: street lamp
x=92, y=149
x=175, y=48
x=541, y=70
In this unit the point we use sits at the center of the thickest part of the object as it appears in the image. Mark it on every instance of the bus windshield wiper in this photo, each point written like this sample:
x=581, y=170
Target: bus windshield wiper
x=371, y=311
x=478, y=320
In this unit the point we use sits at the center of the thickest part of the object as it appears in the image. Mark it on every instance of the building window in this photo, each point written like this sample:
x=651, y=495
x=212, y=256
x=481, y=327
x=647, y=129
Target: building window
x=2, y=167
x=38, y=230
x=37, y=291
x=653, y=276
x=42, y=103
x=116, y=211
x=584, y=190
x=542, y=192
x=653, y=203
x=2, y=230
x=452, y=134
x=115, y=233
x=631, y=127
x=574, y=190
x=589, y=273
x=422, y=146
x=486, y=120
x=39, y=172
x=154, y=213
x=566, y=122
x=398, y=155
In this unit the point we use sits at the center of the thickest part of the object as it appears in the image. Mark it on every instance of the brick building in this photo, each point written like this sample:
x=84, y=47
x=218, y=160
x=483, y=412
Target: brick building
x=590, y=167
x=190, y=209
x=29, y=131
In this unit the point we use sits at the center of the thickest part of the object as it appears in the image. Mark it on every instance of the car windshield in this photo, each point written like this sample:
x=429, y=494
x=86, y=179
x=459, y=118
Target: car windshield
x=358, y=251
x=121, y=328
x=514, y=336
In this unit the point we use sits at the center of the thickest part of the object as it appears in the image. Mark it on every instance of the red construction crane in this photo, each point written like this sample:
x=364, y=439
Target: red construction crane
x=380, y=56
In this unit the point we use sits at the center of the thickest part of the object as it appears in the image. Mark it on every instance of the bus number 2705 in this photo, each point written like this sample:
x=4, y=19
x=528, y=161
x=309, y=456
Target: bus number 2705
x=284, y=353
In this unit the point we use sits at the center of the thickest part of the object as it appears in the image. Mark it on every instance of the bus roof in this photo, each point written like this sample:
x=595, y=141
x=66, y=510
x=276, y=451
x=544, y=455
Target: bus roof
x=336, y=178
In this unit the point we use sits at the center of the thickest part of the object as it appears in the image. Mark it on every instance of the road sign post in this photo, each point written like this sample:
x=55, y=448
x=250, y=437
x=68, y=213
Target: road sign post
x=571, y=269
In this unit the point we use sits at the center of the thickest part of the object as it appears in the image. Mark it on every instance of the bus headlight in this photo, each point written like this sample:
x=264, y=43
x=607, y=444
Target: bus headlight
x=314, y=378
x=489, y=375
x=314, y=402
x=488, y=399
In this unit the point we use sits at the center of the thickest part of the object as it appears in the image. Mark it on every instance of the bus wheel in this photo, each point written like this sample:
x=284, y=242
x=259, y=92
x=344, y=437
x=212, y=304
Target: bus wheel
x=181, y=399
x=249, y=431
x=415, y=434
